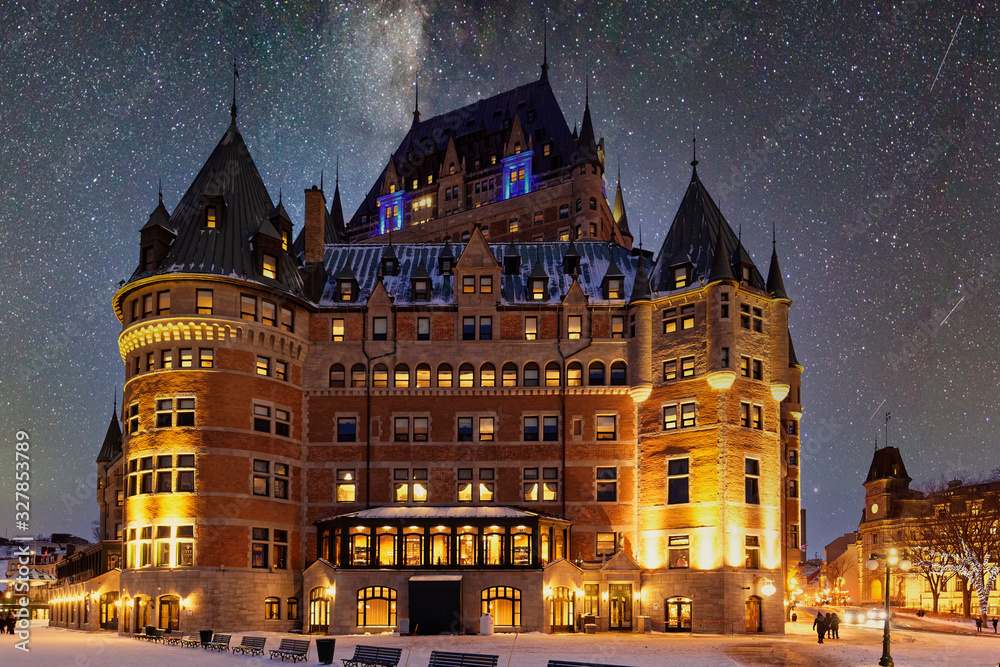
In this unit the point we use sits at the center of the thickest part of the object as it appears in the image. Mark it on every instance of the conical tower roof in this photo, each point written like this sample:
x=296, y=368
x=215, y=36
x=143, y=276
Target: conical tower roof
x=640, y=286
x=618, y=211
x=692, y=239
x=112, y=447
x=721, y=270
x=587, y=144
x=775, y=285
x=160, y=217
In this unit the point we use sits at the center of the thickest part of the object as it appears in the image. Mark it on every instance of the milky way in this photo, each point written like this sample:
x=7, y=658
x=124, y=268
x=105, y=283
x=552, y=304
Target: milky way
x=872, y=152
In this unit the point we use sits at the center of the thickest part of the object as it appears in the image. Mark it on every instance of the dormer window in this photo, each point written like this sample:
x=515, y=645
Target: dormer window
x=517, y=148
x=421, y=290
x=147, y=258
x=547, y=149
x=681, y=278
x=451, y=169
x=537, y=289
x=446, y=265
x=284, y=240
x=615, y=288
x=389, y=266
x=210, y=217
x=269, y=266
x=345, y=290
x=392, y=188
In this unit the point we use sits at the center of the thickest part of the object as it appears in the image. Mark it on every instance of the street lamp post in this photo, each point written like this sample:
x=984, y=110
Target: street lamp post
x=904, y=565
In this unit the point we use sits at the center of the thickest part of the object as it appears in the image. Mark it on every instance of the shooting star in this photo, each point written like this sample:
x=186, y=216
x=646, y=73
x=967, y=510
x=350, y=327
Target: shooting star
x=951, y=311
x=945, y=56
x=877, y=409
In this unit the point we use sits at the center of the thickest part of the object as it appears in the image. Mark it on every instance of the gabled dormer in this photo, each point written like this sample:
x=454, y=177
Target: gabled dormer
x=347, y=283
x=517, y=162
x=477, y=273
x=446, y=260
x=267, y=251
x=421, y=287
x=571, y=260
x=283, y=224
x=391, y=202
x=213, y=212
x=681, y=275
x=511, y=261
x=613, y=284
x=155, y=238
x=389, y=263
x=537, y=288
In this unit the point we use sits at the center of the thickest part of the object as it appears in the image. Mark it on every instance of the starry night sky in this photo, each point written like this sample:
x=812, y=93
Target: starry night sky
x=831, y=123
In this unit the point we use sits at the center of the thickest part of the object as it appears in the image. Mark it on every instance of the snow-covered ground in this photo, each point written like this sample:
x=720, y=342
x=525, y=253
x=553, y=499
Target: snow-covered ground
x=858, y=646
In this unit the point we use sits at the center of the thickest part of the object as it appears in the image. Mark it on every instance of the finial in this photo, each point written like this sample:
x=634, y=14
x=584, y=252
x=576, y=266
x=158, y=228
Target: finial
x=694, y=146
x=116, y=401
x=321, y=180
x=640, y=236
x=416, y=98
x=161, y=190
x=279, y=196
x=338, y=172
x=619, y=170
x=545, y=46
x=236, y=75
x=774, y=238
x=586, y=99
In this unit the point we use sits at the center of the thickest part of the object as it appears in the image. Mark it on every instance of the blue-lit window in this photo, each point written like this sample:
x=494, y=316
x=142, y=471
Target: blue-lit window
x=517, y=174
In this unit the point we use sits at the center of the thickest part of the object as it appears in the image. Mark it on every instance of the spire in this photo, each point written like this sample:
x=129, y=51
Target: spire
x=775, y=285
x=236, y=75
x=545, y=48
x=321, y=180
x=618, y=211
x=112, y=446
x=336, y=208
x=161, y=201
x=694, y=148
x=721, y=270
x=640, y=286
x=587, y=144
x=416, y=100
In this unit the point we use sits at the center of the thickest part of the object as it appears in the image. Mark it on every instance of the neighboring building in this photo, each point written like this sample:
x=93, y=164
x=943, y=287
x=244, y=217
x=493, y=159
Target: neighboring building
x=842, y=570
x=891, y=517
x=319, y=435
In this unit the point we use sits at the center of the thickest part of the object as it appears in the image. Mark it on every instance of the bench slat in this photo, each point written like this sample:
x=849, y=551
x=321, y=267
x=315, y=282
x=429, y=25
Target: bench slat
x=373, y=656
x=450, y=659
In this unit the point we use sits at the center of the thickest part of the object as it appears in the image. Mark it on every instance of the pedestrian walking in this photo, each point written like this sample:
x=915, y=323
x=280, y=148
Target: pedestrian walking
x=819, y=625
x=10, y=623
x=994, y=625
x=979, y=624
x=834, y=625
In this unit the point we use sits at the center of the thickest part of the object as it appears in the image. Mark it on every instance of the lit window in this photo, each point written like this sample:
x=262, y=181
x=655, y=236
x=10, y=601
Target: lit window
x=678, y=546
x=444, y=376
x=687, y=367
x=346, y=486
x=615, y=288
x=607, y=484
x=488, y=375
x=281, y=370
x=617, y=326
x=337, y=329
x=485, y=284
x=270, y=268
x=486, y=429
x=574, y=327
x=163, y=303
x=401, y=376
x=745, y=415
x=263, y=366
x=670, y=320
x=745, y=366
x=680, y=277
x=536, y=289
x=553, y=374
x=204, y=302
x=606, y=427
x=758, y=417
x=752, y=552
x=421, y=427
x=206, y=358
x=186, y=357
x=512, y=225
x=268, y=313
x=687, y=316
x=574, y=374
x=509, y=374
x=359, y=376
x=210, y=217
x=401, y=430
x=687, y=415
x=468, y=284
x=248, y=308
x=605, y=544
x=530, y=328
x=669, y=417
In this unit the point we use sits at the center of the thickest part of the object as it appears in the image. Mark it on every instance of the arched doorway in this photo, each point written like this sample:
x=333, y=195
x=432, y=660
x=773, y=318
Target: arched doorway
x=170, y=613
x=562, y=613
x=620, y=606
x=876, y=590
x=754, y=621
x=678, y=614
x=319, y=611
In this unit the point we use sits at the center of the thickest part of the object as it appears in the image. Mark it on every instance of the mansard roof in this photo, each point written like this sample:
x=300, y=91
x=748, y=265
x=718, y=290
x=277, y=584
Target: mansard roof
x=112, y=447
x=887, y=463
x=537, y=259
x=480, y=131
x=229, y=173
x=692, y=240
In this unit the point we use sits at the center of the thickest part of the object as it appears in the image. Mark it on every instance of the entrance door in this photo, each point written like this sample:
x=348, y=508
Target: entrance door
x=319, y=611
x=141, y=612
x=562, y=610
x=678, y=614
x=170, y=613
x=620, y=606
x=754, y=622
x=436, y=606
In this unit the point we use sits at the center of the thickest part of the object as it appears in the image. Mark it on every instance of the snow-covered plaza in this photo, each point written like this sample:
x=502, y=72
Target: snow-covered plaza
x=858, y=646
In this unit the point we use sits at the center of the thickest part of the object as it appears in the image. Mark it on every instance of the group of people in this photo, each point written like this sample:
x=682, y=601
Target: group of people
x=827, y=624
x=979, y=624
x=7, y=622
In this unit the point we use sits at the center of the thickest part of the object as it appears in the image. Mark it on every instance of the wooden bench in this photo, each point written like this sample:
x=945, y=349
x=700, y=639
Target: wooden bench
x=156, y=635
x=448, y=659
x=250, y=646
x=296, y=649
x=219, y=643
x=567, y=663
x=373, y=656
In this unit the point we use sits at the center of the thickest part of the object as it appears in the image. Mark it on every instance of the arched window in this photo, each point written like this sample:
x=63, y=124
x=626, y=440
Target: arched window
x=401, y=376
x=466, y=376
x=619, y=374
x=377, y=607
x=509, y=374
x=444, y=375
x=596, y=374
x=531, y=374
x=380, y=376
x=386, y=545
x=423, y=375
x=272, y=609
x=319, y=610
x=337, y=375
x=503, y=603
x=579, y=205
x=553, y=374
x=488, y=375
x=593, y=204
x=359, y=376
x=574, y=374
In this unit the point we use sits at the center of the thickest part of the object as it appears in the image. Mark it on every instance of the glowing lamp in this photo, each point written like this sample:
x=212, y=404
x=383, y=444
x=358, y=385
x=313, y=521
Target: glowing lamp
x=548, y=592
x=779, y=390
x=604, y=596
x=721, y=380
x=872, y=564
x=330, y=591
x=768, y=589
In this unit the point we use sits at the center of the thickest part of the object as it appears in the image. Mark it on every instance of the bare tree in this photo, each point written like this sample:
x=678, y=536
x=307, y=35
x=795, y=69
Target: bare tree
x=834, y=572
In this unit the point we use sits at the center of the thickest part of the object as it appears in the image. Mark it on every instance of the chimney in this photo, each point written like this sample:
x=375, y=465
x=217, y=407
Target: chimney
x=315, y=225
